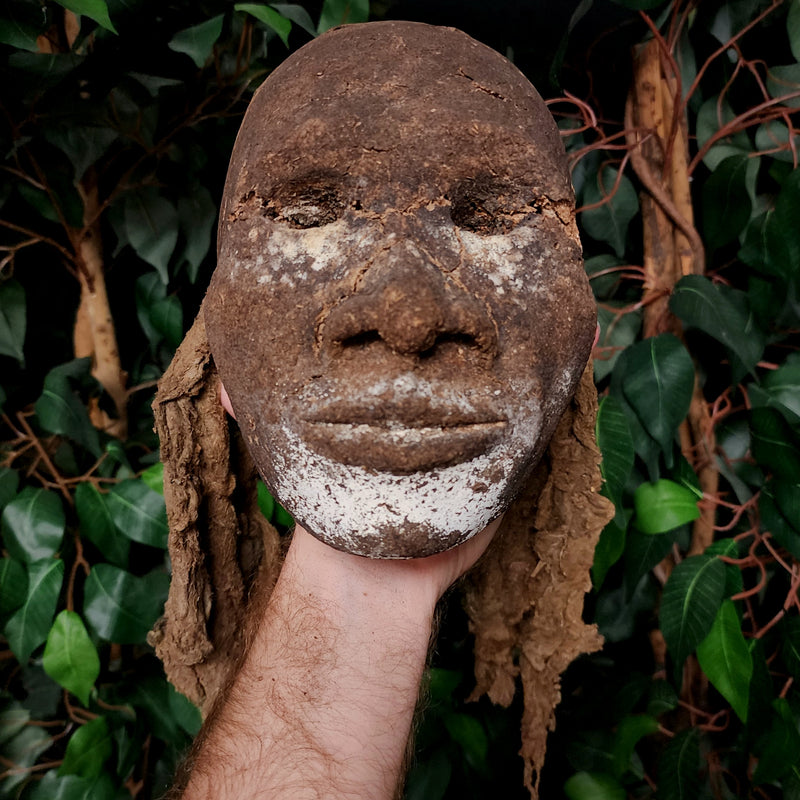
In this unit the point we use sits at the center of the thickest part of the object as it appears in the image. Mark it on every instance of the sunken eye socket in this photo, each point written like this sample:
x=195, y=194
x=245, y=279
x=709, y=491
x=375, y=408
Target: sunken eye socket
x=305, y=206
x=485, y=208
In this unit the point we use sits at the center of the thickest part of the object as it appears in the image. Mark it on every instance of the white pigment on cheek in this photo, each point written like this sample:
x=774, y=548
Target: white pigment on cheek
x=502, y=258
x=289, y=253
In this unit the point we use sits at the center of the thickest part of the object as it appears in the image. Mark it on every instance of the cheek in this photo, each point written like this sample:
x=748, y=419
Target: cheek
x=507, y=270
x=286, y=259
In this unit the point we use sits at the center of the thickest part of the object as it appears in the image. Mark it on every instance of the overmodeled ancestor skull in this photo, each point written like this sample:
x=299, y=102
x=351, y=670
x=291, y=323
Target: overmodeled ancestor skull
x=399, y=313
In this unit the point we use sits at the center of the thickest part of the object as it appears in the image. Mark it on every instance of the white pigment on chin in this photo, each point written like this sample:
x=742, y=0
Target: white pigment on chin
x=347, y=504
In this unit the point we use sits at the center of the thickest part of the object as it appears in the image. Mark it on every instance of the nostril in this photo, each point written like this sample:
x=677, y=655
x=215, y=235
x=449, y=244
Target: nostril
x=465, y=341
x=360, y=340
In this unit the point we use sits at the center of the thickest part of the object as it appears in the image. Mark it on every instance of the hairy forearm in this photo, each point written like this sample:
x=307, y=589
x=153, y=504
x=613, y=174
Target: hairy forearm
x=324, y=701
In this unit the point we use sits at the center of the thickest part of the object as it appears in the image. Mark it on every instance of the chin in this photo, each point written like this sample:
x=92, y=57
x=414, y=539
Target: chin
x=386, y=515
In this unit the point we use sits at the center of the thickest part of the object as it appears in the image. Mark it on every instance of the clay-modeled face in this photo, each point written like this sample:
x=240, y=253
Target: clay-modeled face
x=399, y=312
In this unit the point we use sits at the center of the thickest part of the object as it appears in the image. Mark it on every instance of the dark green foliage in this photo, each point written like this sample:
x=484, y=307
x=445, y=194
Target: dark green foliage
x=118, y=132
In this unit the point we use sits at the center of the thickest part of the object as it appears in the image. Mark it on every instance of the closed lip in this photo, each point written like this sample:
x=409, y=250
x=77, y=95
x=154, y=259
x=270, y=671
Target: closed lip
x=411, y=434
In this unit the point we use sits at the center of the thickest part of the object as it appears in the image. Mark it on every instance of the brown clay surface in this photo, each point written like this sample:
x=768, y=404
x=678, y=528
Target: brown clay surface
x=401, y=219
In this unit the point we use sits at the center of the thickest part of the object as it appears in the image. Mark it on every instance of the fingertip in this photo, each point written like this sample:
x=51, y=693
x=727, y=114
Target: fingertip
x=225, y=400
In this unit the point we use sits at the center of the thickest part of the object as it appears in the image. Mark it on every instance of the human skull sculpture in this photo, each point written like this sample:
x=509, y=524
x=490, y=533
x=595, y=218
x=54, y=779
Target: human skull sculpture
x=399, y=313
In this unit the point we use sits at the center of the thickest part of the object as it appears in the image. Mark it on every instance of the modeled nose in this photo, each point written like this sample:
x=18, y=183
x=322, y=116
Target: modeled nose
x=410, y=304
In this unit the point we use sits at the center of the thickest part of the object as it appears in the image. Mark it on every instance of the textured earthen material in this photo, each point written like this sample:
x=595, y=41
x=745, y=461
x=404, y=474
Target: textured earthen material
x=399, y=307
x=399, y=311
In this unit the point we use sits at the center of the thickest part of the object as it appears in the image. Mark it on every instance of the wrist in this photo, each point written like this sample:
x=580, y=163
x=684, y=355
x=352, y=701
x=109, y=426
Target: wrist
x=350, y=582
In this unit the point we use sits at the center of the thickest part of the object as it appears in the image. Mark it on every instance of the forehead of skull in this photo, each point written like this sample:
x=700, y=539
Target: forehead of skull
x=390, y=107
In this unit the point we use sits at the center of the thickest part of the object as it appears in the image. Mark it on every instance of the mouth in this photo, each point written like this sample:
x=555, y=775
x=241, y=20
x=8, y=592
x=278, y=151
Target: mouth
x=401, y=435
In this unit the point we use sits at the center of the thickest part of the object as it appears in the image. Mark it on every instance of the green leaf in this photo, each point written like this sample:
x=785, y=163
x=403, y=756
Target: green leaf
x=642, y=552
x=87, y=750
x=618, y=331
x=167, y=318
x=616, y=445
x=759, y=707
x=150, y=290
x=790, y=644
x=98, y=526
x=153, y=477
x=197, y=215
x=608, y=221
x=774, y=134
x=442, y=683
x=33, y=524
x=609, y=549
x=617, y=610
x=13, y=586
x=631, y=729
x=713, y=115
x=12, y=320
x=658, y=381
x=22, y=751
x=198, y=41
x=139, y=513
x=782, y=390
x=152, y=695
x=342, y=12
x=774, y=444
x=726, y=202
x=692, y=596
x=70, y=658
x=779, y=507
x=470, y=736
x=121, y=607
x=779, y=750
x=183, y=711
x=733, y=575
x=793, y=28
x=661, y=699
x=593, y=786
x=83, y=144
x=29, y=626
x=72, y=787
x=663, y=506
x=722, y=313
x=679, y=767
x=266, y=502
x=772, y=240
x=60, y=410
x=604, y=272
x=784, y=81
x=725, y=658
x=18, y=32
x=151, y=225
x=94, y=9
x=9, y=483
x=12, y=721
x=271, y=18
x=429, y=779
x=297, y=14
